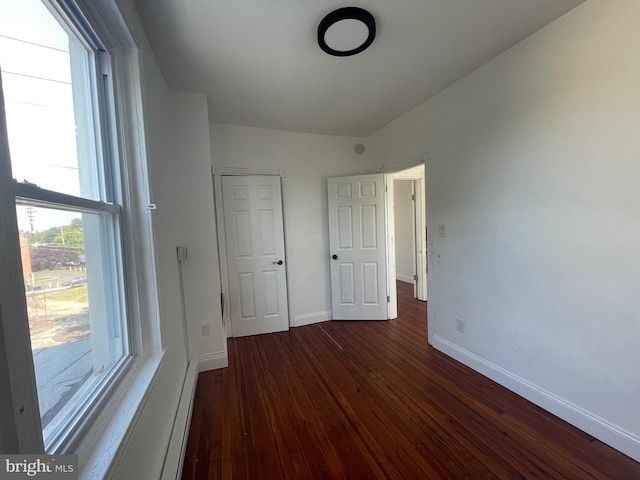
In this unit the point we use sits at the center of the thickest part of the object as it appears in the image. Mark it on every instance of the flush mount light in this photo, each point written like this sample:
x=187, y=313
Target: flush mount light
x=346, y=31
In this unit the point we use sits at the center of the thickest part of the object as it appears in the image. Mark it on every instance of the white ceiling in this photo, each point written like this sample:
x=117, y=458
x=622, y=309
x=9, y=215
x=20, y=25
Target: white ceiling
x=259, y=63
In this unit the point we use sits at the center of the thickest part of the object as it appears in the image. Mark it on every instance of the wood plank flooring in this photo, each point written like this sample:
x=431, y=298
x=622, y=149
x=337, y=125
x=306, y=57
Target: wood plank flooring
x=371, y=400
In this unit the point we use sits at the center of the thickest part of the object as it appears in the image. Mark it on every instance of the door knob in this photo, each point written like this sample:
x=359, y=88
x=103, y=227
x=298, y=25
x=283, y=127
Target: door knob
x=335, y=257
x=279, y=262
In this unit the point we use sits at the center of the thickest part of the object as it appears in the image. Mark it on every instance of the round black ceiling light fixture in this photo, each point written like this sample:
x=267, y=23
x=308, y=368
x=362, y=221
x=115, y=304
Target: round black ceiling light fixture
x=346, y=31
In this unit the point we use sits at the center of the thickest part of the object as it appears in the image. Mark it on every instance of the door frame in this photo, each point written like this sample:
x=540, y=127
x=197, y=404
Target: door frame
x=217, y=173
x=420, y=239
x=421, y=230
x=390, y=247
x=418, y=260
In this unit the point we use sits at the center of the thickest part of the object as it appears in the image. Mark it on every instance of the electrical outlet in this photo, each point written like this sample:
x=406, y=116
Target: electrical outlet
x=460, y=325
x=205, y=329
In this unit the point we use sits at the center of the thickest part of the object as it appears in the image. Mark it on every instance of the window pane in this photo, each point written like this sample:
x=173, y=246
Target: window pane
x=75, y=306
x=49, y=110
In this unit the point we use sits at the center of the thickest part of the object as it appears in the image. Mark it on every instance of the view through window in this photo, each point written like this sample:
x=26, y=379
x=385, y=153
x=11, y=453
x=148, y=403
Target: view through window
x=68, y=213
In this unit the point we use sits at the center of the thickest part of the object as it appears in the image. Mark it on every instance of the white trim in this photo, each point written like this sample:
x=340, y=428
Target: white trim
x=213, y=361
x=412, y=173
x=405, y=278
x=420, y=239
x=100, y=455
x=174, y=458
x=419, y=221
x=419, y=227
x=222, y=253
x=288, y=254
x=429, y=216
x=139, y=229
x=404, y=164
x=19, y=412
x=220, y=170
x=390, y=245
x=118, y=25
x=105, y=439
x=310, y=318
x=611, y=434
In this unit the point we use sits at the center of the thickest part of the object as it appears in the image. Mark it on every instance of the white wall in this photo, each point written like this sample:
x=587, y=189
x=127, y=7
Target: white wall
x=533, y=168
x=178, y=152
x=192, y=191
x=403, y=210
x=144, y=454
x=308, y=160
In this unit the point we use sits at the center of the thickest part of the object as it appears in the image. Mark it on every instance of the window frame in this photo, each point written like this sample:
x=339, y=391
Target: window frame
x=105, y=433
x=65, y=432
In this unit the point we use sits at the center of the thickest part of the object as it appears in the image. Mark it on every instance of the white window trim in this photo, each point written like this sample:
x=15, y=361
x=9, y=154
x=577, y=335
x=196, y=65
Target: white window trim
x=19, y=413
x=106, y=439
x=102, y=449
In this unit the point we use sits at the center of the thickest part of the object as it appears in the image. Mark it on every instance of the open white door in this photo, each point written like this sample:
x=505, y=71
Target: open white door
x=357, y=242
x=255, y=254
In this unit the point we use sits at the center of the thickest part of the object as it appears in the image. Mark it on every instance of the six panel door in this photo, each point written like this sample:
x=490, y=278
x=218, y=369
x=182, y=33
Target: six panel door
x=357, y=247
x=255, y=254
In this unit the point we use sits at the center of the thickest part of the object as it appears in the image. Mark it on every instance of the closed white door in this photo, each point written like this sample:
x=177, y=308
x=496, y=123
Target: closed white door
x=255, y=254
x=357, y=247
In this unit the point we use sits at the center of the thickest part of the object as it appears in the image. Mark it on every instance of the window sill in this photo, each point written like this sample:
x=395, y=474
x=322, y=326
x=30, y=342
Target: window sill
x=100, y=451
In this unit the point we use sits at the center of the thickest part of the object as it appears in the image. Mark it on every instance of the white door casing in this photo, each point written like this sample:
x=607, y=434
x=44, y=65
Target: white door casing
x=390, y=245
x=255, y=254
x=417, y=174
x=357, y=245
x=420, y=230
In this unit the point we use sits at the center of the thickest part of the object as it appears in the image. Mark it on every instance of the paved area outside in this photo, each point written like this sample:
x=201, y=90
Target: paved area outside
x=61, y=343
x=60, y=371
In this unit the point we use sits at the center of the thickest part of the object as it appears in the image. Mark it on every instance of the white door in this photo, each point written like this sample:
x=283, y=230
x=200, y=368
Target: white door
x=357, y=247
x=255, y=254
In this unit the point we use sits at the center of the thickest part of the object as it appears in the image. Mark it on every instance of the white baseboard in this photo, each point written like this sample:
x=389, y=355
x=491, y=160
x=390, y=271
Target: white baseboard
x=174, y=459
x=611, y=434
x=405, y=278
x=309, y=318
x=214, y=361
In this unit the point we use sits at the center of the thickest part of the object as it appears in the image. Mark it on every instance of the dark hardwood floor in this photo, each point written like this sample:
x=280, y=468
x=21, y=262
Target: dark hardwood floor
x=368, y=400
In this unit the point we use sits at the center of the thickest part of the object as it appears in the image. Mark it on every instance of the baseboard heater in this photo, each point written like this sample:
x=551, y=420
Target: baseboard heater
x=174, y=459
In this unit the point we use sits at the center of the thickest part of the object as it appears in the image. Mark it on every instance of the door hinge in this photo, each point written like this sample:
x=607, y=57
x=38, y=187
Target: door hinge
x=415, y=277
x=413, y=197
x=388, y=299
x=385, y=187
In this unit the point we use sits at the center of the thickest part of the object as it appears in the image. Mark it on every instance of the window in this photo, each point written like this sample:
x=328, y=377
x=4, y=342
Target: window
x=68, y=181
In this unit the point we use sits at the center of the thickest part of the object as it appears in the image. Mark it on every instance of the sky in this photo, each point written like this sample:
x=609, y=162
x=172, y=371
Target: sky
x=36, y=78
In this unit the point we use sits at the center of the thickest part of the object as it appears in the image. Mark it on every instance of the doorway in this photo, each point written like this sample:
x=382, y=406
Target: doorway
x=363, y=251
x=410, y=229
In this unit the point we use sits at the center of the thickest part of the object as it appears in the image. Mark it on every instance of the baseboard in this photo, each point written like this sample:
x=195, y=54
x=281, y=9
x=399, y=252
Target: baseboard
x=309, y=318
x=214, y=361
x=405, y=278
x=611, y=434
x=174, y=459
